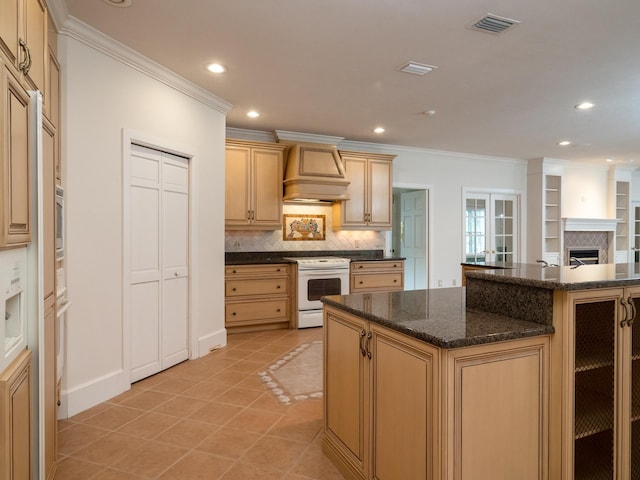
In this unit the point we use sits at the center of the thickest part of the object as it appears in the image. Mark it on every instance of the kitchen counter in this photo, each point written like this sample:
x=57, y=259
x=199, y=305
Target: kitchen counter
x=438, y=317
x=256, y=258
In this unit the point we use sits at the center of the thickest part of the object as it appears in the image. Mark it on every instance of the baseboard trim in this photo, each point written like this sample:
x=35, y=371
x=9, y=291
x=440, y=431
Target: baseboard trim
x=210, y=342
x=89, y=394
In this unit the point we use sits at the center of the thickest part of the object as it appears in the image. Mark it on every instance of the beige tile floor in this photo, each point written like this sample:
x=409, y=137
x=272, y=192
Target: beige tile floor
x=212, y=418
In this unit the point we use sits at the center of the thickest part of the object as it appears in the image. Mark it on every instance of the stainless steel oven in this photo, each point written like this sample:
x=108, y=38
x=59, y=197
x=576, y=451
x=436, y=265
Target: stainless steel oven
x=317, y=277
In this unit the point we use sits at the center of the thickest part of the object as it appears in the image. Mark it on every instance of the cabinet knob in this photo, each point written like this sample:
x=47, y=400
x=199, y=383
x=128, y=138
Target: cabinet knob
x=234, y=314
x=59, y=403
x=278, y=270
x=395, y=280
x=360, y=282
x=233, y=271
x=233, y=289
x=278, y=286
x=360, y=266
x=175, y=274
x=277, y=310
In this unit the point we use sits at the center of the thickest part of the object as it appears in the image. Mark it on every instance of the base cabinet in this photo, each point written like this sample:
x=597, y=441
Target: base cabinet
x=376, y=276
x=596, y=392
x=398, y=408
x=258, y=297
x=16, y=419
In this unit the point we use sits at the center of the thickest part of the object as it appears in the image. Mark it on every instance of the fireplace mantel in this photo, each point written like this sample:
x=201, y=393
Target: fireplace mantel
x=589, y=224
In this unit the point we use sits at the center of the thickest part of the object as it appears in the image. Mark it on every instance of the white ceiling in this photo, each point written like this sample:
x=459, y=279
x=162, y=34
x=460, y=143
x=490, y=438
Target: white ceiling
x=331, y=67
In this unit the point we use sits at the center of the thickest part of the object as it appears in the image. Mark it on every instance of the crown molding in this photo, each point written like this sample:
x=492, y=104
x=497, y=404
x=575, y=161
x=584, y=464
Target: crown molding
x=80, y=31
x=58, y=11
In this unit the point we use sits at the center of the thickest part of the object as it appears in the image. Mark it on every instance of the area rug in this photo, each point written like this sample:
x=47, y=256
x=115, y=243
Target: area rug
x=297, y=375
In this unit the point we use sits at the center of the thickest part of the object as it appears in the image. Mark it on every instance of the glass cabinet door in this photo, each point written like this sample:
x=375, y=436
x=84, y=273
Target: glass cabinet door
x=595, y=389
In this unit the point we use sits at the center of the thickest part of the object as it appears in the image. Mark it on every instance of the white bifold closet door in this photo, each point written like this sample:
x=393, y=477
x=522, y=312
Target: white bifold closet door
x=159, y=260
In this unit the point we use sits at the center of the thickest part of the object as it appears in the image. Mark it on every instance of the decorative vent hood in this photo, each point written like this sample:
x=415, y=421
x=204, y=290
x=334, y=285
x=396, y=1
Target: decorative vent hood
x=313, y=171
x=589, y=224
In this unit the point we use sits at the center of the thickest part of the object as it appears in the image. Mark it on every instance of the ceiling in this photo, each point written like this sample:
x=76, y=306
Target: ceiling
x=331, y=67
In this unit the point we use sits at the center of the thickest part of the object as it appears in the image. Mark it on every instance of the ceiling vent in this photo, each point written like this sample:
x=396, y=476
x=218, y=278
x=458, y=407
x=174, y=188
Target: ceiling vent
x=491, y=23
x=417, y=68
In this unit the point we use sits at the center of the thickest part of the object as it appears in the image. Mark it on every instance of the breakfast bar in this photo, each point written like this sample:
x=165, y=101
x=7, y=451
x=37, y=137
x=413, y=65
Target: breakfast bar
x=530, y=372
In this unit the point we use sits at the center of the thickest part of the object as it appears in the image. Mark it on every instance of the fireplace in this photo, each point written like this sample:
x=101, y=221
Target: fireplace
x=589, y=256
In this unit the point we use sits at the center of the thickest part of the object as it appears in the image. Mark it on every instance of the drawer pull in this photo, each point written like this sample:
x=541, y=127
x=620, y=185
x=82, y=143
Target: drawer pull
x=278, y=270
x=278, y=286
x=395, y=280
x=360, y=282
x=233, y=271
x=233, y=289
x=234, y=314
x=360, y=266
x=277, y=310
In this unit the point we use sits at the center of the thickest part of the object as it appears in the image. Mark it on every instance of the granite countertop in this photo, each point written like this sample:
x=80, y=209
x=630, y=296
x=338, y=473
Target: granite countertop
x=255, y=258
x=438, y=317
x=489, y=265
x=580, y=277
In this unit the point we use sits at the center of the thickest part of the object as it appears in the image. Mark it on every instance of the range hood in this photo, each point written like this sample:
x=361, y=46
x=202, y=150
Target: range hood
x=313, y=171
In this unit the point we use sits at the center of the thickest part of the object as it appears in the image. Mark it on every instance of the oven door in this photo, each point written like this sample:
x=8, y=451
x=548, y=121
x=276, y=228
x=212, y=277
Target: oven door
x=313, y=284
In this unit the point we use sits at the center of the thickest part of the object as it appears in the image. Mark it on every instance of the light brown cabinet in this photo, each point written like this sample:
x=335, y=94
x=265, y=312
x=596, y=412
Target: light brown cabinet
x=258, y=297
x=23, y=40
x=378, y=275
x=380, y=420
x=253, y=186
x=596, y=385
x=396, y=407
x=370, y=192
x=15, y=167
x=16, y=418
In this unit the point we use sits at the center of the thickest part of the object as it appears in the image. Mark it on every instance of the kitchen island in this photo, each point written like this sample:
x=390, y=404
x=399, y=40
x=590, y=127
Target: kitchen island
x=528, y=373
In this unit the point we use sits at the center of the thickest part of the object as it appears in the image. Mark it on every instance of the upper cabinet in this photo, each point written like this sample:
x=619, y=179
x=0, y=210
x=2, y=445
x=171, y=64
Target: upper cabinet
x=370, y=192
x=23, y=40
x=15, y=170
x=253, y=186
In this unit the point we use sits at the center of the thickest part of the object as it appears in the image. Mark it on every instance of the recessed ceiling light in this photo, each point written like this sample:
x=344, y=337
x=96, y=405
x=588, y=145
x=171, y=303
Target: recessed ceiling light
x=565, y=143
x=216, y=68
x=430, y=113
x=585, y=106
x=119, y=3
x=609, y=160
x=253, y=114
x=378, y=130
x=416, y=68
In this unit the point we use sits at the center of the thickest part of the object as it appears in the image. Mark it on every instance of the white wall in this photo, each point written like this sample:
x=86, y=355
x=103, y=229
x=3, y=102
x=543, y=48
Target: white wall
x=585, y=191
x=102, y=96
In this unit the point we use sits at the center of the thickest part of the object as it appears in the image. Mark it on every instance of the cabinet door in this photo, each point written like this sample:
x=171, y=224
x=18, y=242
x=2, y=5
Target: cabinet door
x=237, y=181
x=16, y=170
x=346, y=386
x=9, y=29
x=50, y=407
x=353, y=210
x=35, y=34
x=403, y=408
x=379, y=193
x=597, y=381
x=49, y=154
x=267, y=188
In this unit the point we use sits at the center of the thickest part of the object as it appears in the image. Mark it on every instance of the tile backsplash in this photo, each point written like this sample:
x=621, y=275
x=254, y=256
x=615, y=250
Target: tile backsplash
x=271, y=240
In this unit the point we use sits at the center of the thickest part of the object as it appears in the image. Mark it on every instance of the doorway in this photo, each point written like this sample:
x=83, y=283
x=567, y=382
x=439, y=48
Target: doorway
x=410, y=233
x=156, y=248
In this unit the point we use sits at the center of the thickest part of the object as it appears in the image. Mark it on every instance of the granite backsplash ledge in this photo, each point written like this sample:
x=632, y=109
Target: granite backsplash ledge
x=245, y=257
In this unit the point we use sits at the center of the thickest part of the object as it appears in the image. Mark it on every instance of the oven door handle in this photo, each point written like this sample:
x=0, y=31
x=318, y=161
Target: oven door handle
x=322, y=273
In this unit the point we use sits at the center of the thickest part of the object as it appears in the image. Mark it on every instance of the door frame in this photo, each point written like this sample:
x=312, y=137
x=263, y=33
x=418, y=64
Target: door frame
x=165, y=145
x=428, y=188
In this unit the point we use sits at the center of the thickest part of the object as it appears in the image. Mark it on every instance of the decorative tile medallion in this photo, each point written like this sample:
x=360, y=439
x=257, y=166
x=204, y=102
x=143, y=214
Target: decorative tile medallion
x=303, y=227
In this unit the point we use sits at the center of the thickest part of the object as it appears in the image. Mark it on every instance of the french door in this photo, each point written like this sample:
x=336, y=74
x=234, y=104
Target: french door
x=491, y=227
x=157, y=247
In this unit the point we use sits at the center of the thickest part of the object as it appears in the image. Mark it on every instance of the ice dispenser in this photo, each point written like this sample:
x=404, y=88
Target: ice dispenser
x=13, y=331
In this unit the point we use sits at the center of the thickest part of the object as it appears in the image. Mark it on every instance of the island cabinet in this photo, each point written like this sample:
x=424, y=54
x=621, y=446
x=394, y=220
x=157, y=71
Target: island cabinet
x=258, y=297
x=253, y=186
x=370, y=193
x=379, y=275
x=595, y=416
x=400, y=408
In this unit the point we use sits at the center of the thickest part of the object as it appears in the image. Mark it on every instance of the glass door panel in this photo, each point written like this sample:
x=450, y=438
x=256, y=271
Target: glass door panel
x=594, y=402
x=475, y=230
x=503, y=212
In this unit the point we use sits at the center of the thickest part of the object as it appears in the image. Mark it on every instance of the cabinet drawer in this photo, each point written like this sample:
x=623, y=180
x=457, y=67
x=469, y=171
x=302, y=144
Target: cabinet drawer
x=256, y=270
x=251, y=311
x=386, y=265
x=374, y=281
x=264, y=286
